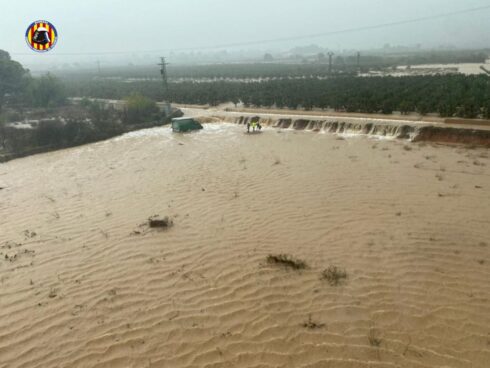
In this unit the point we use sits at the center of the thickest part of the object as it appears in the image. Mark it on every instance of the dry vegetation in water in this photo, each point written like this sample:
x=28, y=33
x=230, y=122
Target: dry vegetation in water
x=312, y=325
x=374, y=339
x=334, y=275
x=287, y=260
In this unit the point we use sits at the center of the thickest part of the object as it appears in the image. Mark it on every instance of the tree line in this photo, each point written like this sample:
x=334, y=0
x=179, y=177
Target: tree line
x=19, y=89
x=56, y=123
x=20, y=92
x=447, y=95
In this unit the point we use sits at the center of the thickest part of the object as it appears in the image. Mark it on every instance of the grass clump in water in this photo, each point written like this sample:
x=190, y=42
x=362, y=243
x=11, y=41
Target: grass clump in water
x=287, y=260
x=374, y=339
x=312, y=325
x=334, y=275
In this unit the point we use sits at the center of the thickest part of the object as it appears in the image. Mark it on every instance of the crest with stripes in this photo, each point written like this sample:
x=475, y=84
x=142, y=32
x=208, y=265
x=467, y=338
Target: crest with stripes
x=41, y=36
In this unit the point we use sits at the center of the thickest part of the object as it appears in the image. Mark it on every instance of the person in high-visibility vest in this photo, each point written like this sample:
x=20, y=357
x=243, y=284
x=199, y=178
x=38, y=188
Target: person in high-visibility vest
x=254, y=124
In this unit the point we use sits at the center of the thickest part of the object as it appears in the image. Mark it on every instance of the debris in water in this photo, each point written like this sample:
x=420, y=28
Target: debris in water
x=311, y=325
x=29, y=234
x=53, y=293
x=374, y=339
x=287, y=260
x=334, y=275
x=155, y=222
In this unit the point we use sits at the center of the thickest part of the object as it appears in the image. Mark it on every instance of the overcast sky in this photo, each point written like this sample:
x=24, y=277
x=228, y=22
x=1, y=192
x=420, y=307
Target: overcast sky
x=132, y=27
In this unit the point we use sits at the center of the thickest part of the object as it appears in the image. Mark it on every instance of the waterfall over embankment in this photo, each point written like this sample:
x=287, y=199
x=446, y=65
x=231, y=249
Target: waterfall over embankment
x=413, y=131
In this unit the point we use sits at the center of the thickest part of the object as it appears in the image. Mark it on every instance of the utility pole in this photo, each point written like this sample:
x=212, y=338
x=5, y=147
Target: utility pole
x=330, y=55
x=163, y=71
x=359, y=60
x=98, y=67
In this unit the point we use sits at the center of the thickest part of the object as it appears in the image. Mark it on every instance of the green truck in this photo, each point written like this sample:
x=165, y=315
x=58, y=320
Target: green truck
x=185, y=125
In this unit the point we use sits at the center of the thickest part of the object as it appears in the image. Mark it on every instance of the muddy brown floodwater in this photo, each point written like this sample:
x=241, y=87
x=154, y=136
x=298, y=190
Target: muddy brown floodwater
x=85, y=283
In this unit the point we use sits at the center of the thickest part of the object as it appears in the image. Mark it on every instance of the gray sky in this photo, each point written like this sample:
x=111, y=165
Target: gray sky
x=93, y=26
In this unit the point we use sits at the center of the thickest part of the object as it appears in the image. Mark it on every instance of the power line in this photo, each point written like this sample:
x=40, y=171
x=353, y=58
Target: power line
x=285, y=39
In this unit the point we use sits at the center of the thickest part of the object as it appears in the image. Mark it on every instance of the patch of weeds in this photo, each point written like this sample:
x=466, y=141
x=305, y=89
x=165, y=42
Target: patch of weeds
x=312, y=325
x=53, y=293
x=334, y=275
x=407, y=148
x=29, y=234
x=374, y=339
x=287, y=261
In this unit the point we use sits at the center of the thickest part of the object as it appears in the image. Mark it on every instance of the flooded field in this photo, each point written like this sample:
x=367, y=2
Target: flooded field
x=401, y=228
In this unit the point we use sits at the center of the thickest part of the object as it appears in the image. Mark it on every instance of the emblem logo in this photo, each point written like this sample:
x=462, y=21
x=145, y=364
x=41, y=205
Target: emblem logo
x=41, y=36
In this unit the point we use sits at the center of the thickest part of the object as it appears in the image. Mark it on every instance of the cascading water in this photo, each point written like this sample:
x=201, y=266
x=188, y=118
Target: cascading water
x=379, y=128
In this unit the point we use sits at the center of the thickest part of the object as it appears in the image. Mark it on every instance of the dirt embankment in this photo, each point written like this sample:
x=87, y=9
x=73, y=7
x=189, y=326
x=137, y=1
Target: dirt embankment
x=414, y=117
x=416, y=132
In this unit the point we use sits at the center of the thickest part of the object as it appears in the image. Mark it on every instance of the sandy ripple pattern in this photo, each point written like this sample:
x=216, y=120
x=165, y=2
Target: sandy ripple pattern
x=84, y=284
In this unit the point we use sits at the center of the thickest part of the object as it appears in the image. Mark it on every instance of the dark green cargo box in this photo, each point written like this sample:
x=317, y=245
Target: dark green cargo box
x=185, y=124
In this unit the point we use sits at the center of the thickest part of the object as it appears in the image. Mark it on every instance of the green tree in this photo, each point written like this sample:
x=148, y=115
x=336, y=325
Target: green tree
x=12, y=77
x=139, y=109
x=47, y=91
